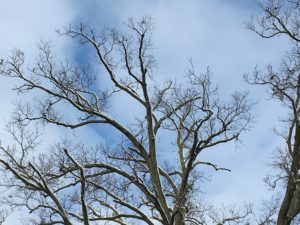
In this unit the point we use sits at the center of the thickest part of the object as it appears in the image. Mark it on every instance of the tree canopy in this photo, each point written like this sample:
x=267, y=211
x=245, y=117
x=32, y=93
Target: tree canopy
x=133, y=180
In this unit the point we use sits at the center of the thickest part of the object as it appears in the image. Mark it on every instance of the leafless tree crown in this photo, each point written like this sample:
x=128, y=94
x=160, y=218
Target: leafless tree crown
x=283, y=18
x=127, y=182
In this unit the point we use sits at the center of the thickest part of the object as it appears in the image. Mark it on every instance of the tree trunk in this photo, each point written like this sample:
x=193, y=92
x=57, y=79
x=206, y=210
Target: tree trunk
x=179, y=219
x=282, y=215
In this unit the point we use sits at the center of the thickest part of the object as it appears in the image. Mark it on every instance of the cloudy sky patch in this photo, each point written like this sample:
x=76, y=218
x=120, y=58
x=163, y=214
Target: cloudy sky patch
x=212, y=33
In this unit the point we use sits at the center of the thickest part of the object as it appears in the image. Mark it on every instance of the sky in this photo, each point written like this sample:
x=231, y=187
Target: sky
x=211, y=32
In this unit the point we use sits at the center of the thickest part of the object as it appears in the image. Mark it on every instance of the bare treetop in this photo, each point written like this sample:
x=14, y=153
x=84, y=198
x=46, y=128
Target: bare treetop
x=127, y=182
x=283, y=18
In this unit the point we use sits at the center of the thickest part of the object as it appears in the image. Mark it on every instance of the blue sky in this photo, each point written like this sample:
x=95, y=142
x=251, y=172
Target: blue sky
x=212, y=32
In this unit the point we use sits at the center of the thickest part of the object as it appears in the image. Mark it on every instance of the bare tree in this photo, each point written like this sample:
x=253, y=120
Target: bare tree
x=130, y=181
x=283, y=18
